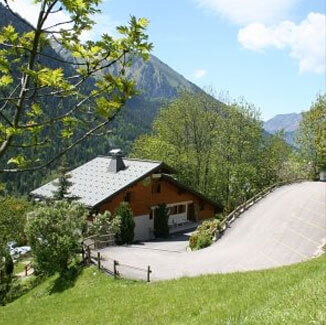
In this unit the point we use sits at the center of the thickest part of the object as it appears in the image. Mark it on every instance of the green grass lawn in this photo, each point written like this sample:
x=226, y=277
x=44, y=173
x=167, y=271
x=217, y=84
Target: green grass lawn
x=288, y=295
x=22, y=261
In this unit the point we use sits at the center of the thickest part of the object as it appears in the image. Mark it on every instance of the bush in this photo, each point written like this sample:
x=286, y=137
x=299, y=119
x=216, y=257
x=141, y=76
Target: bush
x=210, y=226
x=220, y=217
x=161, y=225
x=9, y=265
x=6, y=269
x=127, y=224
x=104, y=224
x=204, y=240
x=205, y=234
x=54, y=234
x=193, y=241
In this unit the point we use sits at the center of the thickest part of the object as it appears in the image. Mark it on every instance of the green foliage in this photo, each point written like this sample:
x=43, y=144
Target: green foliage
x=311, y=137
x=127, y=224
x=9, y=265
x=205, y=234
x=161, y=218
x=13, y=212
x=49, y=98
x=19, y=287
x=54, y=233
x=63, y=184
x=6, y=270
x=221, y=151
x=105, y=223
x=296, y=167
x=204, y=240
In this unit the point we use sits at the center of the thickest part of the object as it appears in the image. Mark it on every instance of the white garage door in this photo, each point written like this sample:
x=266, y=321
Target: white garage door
x=142, y=228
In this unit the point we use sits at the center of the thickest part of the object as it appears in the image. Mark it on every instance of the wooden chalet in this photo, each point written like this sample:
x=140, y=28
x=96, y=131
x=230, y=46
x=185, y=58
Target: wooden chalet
x=104, y=182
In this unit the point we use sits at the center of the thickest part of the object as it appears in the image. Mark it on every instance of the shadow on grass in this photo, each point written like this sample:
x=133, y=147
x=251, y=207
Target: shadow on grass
x=66, y=280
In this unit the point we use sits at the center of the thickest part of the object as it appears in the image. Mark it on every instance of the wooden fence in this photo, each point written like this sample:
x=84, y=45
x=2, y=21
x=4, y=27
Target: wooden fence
x=246, y=205
x=91, y=254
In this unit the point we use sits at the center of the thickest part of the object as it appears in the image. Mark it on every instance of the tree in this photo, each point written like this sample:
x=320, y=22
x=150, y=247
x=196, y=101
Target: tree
x=213, y=147
x=13, y=213
x=311, y=137
x=161, y=226
x=274, y=159
x=63, y=184
x=45, y=97
x=55, y=233
x=127, y=224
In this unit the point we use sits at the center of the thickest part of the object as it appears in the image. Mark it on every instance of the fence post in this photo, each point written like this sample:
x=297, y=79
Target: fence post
x=115, y=272
x=83, y=254
x=99, y=260
x=149, y=273
x=26, y=271
x=89, y=255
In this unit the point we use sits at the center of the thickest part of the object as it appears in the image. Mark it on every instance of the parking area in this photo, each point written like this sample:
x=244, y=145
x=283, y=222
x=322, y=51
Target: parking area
x=288, y=226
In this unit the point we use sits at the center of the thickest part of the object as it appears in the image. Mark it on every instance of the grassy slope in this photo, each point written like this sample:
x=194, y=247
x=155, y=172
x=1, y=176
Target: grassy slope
x=289, y=295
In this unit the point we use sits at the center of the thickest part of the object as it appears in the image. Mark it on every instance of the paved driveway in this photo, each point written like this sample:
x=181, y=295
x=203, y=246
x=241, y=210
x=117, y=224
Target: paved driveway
x=286, y=227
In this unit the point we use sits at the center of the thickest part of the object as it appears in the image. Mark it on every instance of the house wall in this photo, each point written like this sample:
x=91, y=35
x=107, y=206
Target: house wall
x=142, y=198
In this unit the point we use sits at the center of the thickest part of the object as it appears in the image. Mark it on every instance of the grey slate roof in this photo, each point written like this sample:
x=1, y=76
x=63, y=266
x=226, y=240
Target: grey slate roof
x=93, y=183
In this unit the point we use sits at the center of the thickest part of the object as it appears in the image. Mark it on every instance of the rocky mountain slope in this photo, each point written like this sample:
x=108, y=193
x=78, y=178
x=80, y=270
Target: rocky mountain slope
x=156, y=81
x=287, y=122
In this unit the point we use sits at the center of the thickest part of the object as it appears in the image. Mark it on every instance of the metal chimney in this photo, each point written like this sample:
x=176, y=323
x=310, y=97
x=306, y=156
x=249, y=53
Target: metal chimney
x=116, y=163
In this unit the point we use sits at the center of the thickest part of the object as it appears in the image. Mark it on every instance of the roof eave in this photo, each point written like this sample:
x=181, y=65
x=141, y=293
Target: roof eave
x=161, y=165
x=190, y=190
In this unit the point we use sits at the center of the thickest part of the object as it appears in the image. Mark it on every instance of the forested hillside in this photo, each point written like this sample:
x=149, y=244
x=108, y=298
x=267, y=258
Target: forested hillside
x=157, y=84
x=221, y=151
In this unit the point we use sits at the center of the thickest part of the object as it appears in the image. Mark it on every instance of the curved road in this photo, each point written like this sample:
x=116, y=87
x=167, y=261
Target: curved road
x=288, y=226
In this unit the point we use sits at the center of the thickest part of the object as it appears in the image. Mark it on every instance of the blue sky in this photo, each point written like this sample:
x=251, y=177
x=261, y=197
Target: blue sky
x=201, y=42
x=271, y=52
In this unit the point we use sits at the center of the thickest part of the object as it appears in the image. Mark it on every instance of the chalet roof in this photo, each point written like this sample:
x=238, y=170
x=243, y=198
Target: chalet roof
x=93, y=182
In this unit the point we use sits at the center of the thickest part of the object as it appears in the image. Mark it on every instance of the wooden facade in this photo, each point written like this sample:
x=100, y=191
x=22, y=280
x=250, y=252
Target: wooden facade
x=150, y=192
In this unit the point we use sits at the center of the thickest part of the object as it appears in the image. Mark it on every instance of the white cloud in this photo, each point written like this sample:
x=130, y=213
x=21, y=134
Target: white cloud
x=30, y=12
x=305, y=41
x=248, y=11
x=200, y=73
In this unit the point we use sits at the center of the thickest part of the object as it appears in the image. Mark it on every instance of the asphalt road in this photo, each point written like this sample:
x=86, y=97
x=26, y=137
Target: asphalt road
x=286, y=227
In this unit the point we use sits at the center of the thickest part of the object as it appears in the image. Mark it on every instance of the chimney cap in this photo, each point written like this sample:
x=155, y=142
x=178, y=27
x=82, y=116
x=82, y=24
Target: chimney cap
x=116, y=163
x=116, y=152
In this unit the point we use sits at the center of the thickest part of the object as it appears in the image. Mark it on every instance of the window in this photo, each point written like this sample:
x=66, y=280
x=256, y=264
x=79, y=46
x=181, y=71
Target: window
x=174, y=209
x=177, y=209
x=156, y=188
x=127, y=197
x=181, y=208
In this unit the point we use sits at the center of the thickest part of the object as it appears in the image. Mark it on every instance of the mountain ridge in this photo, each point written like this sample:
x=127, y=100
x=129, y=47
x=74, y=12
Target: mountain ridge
x=157, y=83
x=287, y=122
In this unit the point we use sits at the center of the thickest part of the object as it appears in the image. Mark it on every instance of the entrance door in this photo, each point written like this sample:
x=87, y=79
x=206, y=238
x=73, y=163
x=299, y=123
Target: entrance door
x=191, y=212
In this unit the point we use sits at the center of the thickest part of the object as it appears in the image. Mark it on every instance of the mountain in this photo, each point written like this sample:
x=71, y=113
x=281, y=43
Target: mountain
x=286, y=122
x=157, y=83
